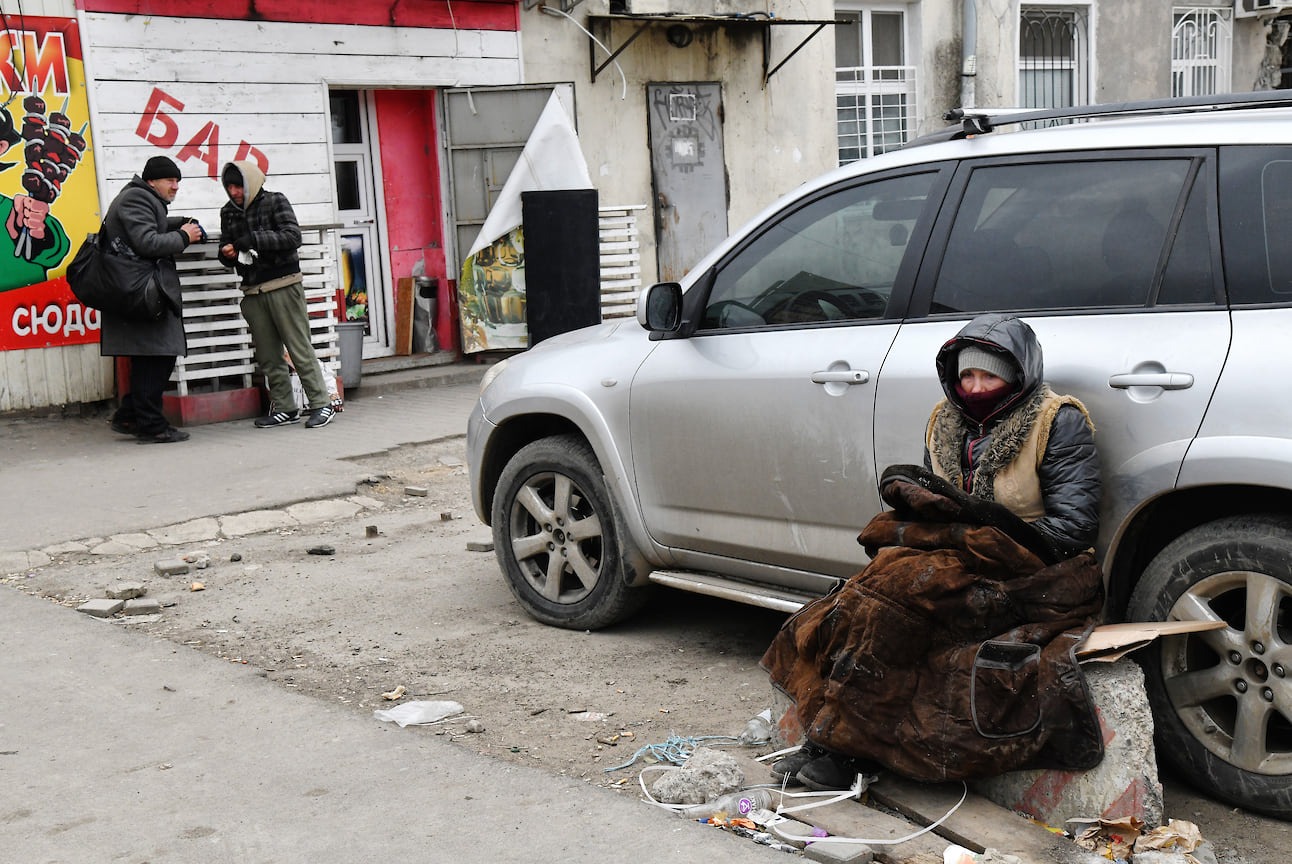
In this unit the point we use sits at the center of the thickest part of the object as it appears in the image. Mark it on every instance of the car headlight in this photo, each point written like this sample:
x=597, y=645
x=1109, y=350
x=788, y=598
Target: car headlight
x=493, y=372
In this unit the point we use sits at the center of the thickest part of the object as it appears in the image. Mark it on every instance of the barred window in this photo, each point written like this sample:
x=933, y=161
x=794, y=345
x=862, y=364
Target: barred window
x=1053, y=57
x=874, y=88
x=1201, y=43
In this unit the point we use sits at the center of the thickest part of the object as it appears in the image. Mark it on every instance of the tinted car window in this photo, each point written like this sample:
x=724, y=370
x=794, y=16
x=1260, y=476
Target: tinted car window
x=1256, y=222
x=1190, y=276
x=1058, y=235
x=834, y=259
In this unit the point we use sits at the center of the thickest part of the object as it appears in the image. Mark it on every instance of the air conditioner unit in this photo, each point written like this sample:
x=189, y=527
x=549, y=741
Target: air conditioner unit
x=1253, y=8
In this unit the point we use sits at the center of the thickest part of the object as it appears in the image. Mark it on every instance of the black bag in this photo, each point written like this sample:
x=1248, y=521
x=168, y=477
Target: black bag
x=116, y=284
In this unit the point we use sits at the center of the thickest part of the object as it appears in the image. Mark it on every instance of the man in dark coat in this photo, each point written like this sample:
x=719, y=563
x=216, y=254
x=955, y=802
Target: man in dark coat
x=137, y=226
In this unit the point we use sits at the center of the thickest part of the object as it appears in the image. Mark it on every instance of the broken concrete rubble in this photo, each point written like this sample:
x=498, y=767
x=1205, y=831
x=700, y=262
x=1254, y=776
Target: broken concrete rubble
x=707, y=774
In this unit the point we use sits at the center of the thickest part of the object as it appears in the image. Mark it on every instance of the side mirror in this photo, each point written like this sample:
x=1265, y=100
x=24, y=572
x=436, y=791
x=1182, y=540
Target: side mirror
x=659, y=308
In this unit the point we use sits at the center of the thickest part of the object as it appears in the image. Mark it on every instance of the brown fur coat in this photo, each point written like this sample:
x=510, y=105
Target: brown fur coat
x=950, y=656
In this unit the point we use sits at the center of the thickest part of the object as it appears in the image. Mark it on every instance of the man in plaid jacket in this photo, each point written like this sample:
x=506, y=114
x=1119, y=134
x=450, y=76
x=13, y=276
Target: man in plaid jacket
x=259, y=237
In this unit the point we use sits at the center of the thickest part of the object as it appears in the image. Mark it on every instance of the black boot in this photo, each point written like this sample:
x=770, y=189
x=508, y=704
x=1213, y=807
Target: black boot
x=834, y=771
x=788, y=767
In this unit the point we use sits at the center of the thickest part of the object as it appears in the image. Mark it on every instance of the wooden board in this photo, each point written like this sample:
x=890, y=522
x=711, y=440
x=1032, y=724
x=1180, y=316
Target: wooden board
x=976, y=824
x=404, y=315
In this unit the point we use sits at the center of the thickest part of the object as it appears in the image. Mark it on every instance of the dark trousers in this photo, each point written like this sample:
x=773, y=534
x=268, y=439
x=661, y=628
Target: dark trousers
x=142, y=406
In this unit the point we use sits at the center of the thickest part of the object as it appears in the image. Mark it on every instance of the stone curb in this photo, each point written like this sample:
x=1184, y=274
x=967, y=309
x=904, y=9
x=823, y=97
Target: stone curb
x=200, y=530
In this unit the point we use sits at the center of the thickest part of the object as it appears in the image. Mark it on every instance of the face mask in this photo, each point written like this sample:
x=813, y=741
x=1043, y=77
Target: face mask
x=979, y=406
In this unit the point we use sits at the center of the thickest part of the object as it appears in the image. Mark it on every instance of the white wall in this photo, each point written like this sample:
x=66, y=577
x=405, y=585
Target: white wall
x=262, y=82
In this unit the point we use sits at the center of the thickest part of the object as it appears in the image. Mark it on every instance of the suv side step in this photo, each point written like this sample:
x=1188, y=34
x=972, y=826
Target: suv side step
x=728, y=589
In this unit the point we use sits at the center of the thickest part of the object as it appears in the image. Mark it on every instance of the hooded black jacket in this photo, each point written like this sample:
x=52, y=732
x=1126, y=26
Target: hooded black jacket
x=265, y=224
x=1069, y=470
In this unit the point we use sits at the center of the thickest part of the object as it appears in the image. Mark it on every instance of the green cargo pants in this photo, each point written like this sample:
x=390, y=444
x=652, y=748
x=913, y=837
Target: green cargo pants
x=278, y=320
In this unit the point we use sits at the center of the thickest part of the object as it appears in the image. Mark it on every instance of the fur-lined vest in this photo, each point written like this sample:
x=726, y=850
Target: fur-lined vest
x=1007, y=471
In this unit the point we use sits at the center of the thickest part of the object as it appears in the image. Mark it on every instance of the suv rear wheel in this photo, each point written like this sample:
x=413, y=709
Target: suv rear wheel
x=1222, y=699
x=557, y=538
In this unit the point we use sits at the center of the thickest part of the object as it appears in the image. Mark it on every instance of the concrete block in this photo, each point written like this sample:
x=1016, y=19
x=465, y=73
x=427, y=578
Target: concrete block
x=101, y=607
x=171, y=567
x=192, y=531
x=141, y=606
x=839, y=853
x=416, y=491
x=255, y=522
x=313, y=512
x=479, y=545
x=126, y=590
x=1125, y=783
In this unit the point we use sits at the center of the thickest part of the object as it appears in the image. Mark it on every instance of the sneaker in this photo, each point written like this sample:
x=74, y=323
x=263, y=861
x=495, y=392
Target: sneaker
x=170, y=435
x=833, y=771
x=788, y=767
x=122, y=427
x=278, y=418
x=320, y=417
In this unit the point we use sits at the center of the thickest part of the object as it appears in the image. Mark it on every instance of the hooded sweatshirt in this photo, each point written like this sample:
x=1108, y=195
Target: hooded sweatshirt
x=264, y=226
x=1035, y=453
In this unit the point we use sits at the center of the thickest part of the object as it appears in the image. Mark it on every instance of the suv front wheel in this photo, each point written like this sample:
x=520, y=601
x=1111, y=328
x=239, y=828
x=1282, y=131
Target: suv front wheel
x=557, y=538
x=1222, y=698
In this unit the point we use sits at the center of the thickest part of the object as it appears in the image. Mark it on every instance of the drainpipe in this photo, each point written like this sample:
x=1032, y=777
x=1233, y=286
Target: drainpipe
x=968, y=51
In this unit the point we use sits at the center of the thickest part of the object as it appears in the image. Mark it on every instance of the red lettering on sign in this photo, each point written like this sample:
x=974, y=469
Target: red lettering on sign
x=44, y=63
x=208, y=135
x=152, y=114
x=245, y=151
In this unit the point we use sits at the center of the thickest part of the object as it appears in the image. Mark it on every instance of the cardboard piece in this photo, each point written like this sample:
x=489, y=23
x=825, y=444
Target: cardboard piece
x=1110, y=642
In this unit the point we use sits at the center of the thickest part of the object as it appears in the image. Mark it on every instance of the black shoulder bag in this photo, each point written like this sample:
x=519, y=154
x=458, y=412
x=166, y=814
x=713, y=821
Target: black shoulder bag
x=117, y=285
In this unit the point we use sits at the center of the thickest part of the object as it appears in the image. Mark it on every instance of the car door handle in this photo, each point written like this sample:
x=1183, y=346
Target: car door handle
x=1165, y=380
x=841, y=376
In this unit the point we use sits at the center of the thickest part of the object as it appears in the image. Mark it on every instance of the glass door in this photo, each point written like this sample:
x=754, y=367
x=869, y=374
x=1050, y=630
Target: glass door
x=361, y=271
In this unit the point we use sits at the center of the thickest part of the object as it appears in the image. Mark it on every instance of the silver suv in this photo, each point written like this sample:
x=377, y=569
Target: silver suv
x=729, y=441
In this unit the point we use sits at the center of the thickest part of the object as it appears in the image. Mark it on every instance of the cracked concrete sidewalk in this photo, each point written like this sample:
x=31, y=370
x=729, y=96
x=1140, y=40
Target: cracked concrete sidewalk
x=70, y=484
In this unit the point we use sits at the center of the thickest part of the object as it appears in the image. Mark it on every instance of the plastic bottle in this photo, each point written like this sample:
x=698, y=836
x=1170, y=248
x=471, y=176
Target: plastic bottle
x=758, y=730
x=733, y=804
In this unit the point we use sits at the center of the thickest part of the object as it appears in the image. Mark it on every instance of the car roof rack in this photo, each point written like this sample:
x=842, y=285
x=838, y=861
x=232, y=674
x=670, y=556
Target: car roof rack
x=972, y=121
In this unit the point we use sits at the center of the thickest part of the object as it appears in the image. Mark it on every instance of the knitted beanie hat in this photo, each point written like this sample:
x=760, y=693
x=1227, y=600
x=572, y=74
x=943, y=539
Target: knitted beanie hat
x=973, y=357
x=161, y=168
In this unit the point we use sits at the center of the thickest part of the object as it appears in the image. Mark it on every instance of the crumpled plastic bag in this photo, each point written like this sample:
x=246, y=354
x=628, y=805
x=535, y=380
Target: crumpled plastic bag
x=1176, y=836
x=419, y=713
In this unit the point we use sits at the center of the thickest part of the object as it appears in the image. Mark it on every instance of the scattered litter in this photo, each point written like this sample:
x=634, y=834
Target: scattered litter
x=397, y=693
x=475, y=726
x=1175, y=836
x=415, y=491
x=447, y=516
x=197, y=586
x=322, y=549
x=676, y=750
x=589, y=716
x=758, y=730
x=200, y=560
x=371, y=531
x=1111, y=838
x=419, y=713
x=960, y=855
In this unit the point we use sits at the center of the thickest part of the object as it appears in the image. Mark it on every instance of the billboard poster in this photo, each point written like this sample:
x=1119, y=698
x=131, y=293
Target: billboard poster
x=48, y=192
x=491, y=290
